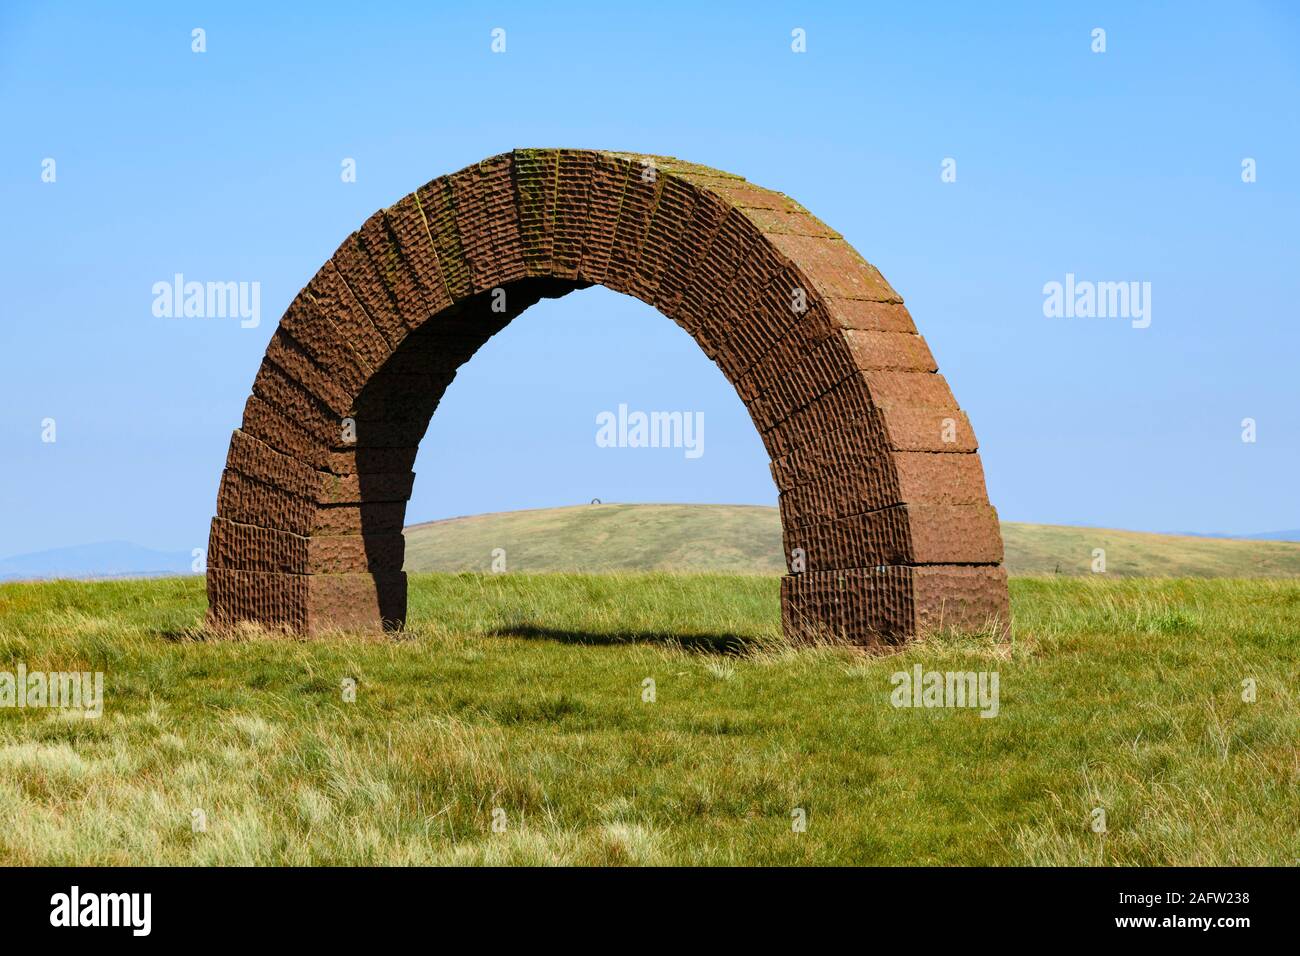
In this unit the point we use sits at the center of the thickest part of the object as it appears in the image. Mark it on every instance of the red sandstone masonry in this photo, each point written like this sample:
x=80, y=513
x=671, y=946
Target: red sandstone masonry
x=318, y=336
x=415, y=296
x=713, y=276
x=783, y=316
x=249, y=501
x=783, y=221
x=369, y=461
x=293, y=401
x=402, y=395
x=372, y=517
x=307, y=603
x=293, y=360
x=334, y=301
x=835, y=269
x=439, y=210
x=962, y=599
x=488, y=224
x=260, y=461
x=364, y=282
x=473, y=226
x=374, y=601
x=880, y=606
x=536, y=178
x=498, y=195
x=411, y=231
x=351, y=553
x=927, y=428
x=268, y=424
x=676, y=204
x=880, y=484
x=753, y=327
x=236, y=546
x=354, y=489
x=755, y=312
x=708, y=212
x=940, y=478
x=919, y=477
x=892, y=351
x=640, y=201
x=604, y=207
x=849, y=448
x=861, y=395
x=870, y=316
x=755, y=358
x=573, y=186
x=272, y=600
x=900, y=534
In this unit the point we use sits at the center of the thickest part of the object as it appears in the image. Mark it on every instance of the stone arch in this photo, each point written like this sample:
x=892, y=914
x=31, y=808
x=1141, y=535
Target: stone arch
x=881, y=487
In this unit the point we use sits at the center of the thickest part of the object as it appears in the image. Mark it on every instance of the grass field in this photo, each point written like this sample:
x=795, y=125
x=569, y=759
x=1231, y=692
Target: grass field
x=746, y=539
x=520, y=699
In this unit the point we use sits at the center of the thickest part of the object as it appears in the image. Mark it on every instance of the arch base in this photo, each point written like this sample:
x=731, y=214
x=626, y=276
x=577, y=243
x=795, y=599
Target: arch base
x=307, y=603
x=888, y=605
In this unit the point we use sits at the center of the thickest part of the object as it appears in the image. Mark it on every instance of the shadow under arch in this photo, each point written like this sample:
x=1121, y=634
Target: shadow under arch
x=886, y=521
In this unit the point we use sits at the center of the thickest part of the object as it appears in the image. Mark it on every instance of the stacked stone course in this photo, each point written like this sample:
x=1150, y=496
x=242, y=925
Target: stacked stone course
x=887, y=526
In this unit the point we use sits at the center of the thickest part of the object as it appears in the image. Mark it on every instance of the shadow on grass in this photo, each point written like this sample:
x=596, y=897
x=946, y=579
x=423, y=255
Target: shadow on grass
x=734, y=645
x=731, y=644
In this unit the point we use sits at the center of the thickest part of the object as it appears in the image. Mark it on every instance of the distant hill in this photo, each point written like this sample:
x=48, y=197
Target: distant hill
x=104, y=559
x=1042, y=548
x=1262, y=536
x=747, y=539
x=1276, y=536
x=744, y=539
x=740, y=539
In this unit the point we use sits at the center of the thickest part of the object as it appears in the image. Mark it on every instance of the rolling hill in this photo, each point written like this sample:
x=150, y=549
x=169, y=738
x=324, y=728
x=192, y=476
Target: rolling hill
x=746, y=539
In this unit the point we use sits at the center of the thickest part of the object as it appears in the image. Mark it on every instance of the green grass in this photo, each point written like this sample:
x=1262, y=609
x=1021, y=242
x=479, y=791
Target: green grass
x=524, y=693
x=746, y=539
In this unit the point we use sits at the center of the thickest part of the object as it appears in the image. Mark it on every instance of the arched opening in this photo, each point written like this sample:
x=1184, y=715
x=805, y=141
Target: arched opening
x=593, y=396
x=885, y=517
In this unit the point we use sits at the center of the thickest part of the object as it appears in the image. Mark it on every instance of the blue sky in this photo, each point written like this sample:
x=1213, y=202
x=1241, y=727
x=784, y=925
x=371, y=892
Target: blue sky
x=225, y=166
